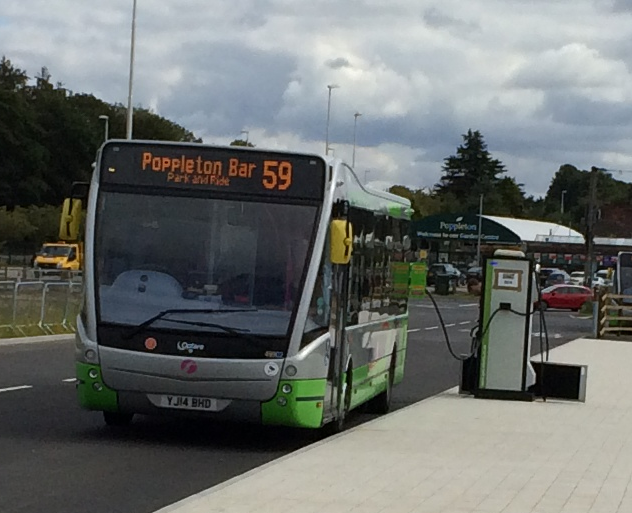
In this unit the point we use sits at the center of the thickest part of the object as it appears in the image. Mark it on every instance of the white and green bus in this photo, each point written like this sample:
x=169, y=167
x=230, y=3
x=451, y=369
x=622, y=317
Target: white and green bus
x=238, y=283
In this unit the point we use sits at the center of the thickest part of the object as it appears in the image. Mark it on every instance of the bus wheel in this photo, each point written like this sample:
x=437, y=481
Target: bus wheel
x=381, y=404
x=116, y=419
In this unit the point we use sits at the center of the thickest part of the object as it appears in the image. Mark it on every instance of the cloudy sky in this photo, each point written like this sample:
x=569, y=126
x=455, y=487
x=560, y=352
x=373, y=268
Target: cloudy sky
x=547, y=82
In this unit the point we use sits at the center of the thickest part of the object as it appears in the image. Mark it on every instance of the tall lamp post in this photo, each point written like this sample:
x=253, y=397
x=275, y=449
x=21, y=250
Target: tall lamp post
x=355, y=126
x=562, y=202
x=330, y=87
x=106, y=119
x=247, y=134
x=480, y=230
x=130, y=110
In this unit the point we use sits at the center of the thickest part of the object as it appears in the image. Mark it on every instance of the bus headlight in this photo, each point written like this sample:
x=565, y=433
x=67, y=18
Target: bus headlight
x=290, y=370
x=97, y=387
x=93, y=373
x=281, y=401
x=91, y=355
x=286, y=389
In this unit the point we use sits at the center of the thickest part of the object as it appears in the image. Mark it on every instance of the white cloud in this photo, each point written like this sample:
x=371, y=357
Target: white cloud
x=546, y=82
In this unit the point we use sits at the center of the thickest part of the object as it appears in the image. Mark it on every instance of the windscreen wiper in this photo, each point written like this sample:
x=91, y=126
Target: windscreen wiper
x=241, y=332
x=137, y=329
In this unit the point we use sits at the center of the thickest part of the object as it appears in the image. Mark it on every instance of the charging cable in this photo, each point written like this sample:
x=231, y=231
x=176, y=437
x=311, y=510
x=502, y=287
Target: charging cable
x=544, y=340
x=476, y=335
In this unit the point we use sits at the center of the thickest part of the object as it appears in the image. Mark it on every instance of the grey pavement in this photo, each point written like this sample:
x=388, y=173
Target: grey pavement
x=457, y=454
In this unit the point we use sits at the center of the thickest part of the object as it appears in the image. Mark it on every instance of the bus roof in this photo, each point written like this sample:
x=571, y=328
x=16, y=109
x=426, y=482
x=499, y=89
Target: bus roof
x=361, y=196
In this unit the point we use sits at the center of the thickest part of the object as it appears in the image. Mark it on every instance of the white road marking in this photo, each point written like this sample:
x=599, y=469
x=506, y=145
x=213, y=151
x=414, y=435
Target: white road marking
x=468, y=304
x=450, y=325
x=465, y=322
x=11, y=389
x=464, y=331
x=69, y=380
x=432, y=328
x=414, y=330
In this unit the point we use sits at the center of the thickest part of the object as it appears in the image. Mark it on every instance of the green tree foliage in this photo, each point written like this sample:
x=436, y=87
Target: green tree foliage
x=241, y=142
x=573, y=186
x=15, y=230
x=424, y=203
x=472, y=172
x=150, y=126
x=22, y=155
x=24, y=229
x=49, y=136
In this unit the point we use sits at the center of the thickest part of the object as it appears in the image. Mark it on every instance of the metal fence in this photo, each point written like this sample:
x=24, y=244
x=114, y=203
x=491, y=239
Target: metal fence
x=39, y=306
x=614, y=314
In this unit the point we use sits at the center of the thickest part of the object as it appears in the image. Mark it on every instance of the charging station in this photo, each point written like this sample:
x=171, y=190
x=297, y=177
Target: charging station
x=500, y=366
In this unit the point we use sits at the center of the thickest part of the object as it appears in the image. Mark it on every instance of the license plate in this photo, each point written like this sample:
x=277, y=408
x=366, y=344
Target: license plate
x=182, y=402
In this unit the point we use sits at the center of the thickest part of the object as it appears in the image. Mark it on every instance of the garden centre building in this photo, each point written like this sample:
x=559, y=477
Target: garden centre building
x=454, y=238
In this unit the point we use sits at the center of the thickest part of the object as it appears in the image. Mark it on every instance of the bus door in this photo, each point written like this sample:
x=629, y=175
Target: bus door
x=339, y=351
x=341, y=239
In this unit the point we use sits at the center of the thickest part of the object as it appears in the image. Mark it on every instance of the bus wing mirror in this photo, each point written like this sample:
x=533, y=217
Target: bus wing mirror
x=70, y=219
x=79, y=190
x=341, y=241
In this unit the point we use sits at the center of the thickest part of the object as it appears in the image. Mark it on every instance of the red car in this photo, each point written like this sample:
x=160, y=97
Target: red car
x=565, y=296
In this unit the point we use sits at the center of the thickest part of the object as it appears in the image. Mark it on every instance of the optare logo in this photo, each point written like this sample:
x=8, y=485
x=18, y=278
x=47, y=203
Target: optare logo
x=188, y=366
x=189, y=347
x=459, y=219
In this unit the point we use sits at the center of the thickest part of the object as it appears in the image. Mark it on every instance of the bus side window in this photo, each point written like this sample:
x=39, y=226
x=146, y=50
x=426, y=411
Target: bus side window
x=320, y=304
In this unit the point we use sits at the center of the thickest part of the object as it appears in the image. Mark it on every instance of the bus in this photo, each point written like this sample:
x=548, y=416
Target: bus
x=240, y=284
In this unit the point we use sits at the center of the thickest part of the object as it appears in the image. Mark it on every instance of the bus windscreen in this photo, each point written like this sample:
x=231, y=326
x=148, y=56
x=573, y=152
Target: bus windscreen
x=222, y=169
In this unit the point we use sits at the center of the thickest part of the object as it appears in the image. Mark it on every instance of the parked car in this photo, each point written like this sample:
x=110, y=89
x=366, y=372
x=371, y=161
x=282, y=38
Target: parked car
x=544, y=274
x=557, y=277
x=570, y=297
x=602, y=278
x=441, y=269
x=475, y=272
x=577, y=277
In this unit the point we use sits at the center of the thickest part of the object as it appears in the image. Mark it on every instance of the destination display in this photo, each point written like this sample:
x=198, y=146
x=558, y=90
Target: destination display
x=206, y=167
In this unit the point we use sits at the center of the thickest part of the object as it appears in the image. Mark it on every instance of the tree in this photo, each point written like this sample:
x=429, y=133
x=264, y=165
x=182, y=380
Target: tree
x=472, y=172
x=49, y=136
x=423, y=203
x=23, y=155
x=11, y=78
x=570, y=188
x=151, y=126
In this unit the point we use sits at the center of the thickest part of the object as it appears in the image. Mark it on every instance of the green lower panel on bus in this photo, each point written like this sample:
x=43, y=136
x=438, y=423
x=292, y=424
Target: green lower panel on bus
x=93, y=394
x=297, y=403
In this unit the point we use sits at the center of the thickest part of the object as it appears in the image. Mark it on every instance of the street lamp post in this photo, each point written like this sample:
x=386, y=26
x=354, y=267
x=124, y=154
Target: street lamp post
x=355, y=125
x=330, y=87
x=480, y=230
x=106, y=119
x=130, y=110
x=247, y=134
x=562, y=202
